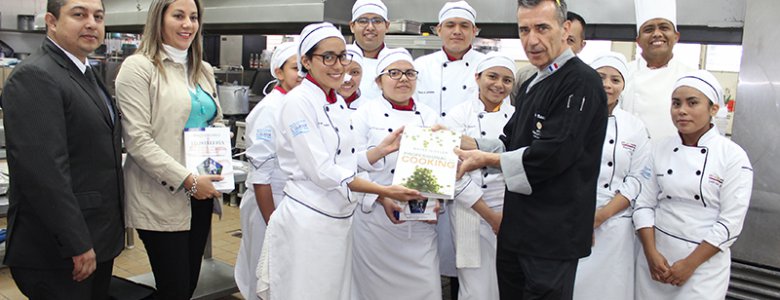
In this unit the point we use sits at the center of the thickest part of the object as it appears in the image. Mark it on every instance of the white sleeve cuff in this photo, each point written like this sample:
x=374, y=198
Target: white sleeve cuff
x=364, y=165
x=514, y=172
x=467, y=192
x=644, y=217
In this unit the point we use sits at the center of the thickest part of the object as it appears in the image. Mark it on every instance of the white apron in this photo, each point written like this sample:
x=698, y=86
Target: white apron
x=391, y=261
x=648, y=95
x=625, y=158
x=308, y=248
x=697, y=194
x=264, y=169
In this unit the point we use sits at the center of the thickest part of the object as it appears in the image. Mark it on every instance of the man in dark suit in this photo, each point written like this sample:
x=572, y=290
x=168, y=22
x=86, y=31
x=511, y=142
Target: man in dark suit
x=65, y=221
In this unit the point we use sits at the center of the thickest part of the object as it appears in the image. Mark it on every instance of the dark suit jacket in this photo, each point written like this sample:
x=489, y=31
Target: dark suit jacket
x=64, y=161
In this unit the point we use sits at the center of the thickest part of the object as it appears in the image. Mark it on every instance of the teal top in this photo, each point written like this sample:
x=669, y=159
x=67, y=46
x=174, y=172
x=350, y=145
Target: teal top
x=203, y=109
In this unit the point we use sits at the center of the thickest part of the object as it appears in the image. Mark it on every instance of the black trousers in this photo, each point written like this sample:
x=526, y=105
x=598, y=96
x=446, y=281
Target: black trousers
x=534, y=278
x=176, y=256
x=59, y=284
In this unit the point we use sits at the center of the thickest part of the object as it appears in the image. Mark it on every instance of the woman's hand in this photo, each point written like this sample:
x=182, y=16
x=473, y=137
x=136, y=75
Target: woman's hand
x=680, y=272
x=400, y=193
x=391, y=142
x=392, y=209
x=600, y=217
x=435, y=211
x=204, y=188
x=659, y=267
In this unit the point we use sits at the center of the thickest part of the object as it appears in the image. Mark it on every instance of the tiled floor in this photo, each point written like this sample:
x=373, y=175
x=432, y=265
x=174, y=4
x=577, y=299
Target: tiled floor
x=134, y=261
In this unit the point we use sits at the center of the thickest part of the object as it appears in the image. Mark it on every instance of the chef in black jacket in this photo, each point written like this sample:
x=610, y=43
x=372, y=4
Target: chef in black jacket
x=550, y=155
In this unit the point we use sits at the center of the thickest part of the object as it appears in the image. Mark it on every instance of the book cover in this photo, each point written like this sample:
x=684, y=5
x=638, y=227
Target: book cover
x=207, y=151
x=417, y=210
x=427, y=163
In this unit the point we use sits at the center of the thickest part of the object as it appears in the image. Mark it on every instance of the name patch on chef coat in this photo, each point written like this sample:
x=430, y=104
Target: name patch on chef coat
x=629, y=146
x=299, y=127
x=264, y=134
x=716, y=180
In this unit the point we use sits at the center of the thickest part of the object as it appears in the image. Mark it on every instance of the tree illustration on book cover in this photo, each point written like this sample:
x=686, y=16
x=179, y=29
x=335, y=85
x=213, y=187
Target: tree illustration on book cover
x=422, y=180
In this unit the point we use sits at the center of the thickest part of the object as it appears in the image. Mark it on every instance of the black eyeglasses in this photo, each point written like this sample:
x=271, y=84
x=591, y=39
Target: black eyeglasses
x=396, y=74
x=375, y=21
x=330, y=59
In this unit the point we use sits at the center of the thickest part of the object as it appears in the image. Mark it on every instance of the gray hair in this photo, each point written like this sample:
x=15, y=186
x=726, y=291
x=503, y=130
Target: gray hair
x=560, y=5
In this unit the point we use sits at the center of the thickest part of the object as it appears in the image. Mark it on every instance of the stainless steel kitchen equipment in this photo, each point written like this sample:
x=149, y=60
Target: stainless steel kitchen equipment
x=756, y=268
x=233, y=97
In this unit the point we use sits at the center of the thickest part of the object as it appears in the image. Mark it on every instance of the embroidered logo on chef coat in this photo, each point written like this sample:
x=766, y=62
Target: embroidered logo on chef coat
x=628, y=146
x=264, y=134
x=299, y=127
x=537, y=133
x=647, y=172
x=426, y=92
x=716, y=180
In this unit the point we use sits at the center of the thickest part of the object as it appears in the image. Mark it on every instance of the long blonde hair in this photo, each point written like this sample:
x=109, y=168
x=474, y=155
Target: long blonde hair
x=152, y=44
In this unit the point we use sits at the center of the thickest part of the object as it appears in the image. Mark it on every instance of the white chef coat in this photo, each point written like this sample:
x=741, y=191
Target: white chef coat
x=391, y=261
x=442, y=83
x=264, y=169
x=648, y=94
x=608, y=273
x=695, y=194
x=470, y=118
x=309, y=243
x=368, y=88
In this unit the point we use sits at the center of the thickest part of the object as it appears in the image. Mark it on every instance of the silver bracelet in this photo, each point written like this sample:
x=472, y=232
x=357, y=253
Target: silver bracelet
x=194, y=189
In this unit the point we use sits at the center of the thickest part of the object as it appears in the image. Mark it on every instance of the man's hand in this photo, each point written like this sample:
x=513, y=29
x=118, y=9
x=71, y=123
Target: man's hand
x=83, y=265
x=401, y=193
x=474, y=159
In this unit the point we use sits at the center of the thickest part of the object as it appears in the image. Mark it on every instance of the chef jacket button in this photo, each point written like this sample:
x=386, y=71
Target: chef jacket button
x=170, y=188
x=336, y=129
x=698, y=172
x=481, y=116
x=351, y=127
x=342, y=106
x=486, y=174
x=387, y=115
x=668, y=197
x=338, y=152
x=675, y=149
x=444, y=88
x=506, y=116
x=609, y=164
x=444, y=65
x=703, y=151
x=164, y=183
x=467, y=64
x=389, y=130
x=327, y=108
x=611, y=141
x=392, y=171
x=606, y=185
x=669, y=172
x=464, y=86
x=484, y=186
x=443, y=114
x=484, y=133
x=353, y=150
x=416, y=112
x=696, y=197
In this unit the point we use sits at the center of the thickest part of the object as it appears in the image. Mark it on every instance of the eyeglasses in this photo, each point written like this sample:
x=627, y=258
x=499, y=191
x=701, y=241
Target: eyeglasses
x=375, y=20
x=395, y=74
x=330, y=59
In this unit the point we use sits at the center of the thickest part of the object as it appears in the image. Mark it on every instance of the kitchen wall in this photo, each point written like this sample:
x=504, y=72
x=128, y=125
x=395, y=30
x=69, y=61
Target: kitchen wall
x=9, y=9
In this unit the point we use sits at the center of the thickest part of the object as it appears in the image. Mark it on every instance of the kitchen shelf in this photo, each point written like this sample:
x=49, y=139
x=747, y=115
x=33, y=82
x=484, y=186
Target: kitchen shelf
x=23, y=31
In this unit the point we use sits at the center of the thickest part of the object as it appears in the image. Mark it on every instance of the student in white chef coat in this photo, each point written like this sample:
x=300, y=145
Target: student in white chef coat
x=392, y=259
x=369, y=25
x=693, y=207
x=307, y=252
x=350, y=88
x=608, y=273
x=652, y=75
x=476, y=216
x=265, y=180
x=447, y=79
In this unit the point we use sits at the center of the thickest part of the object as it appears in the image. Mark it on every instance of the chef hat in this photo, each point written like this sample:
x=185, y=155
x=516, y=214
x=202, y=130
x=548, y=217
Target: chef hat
x=363, y=7
x=313, y=34
x=282, y=52
x=356, y=52
x=611, y=59
x=459, y=9
x=389, y=56
x=704, y=82
x=647, y=10
x=495, y=59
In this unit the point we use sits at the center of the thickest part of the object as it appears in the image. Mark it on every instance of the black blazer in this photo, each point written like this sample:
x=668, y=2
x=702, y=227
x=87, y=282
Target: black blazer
x=65, y=165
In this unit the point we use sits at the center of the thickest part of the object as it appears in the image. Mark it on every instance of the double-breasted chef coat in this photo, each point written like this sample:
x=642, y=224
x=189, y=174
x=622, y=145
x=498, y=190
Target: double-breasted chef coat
x=264, y=169
x=624, y=164
x=391, y=261
x=441, y=85
x=308, y=245
x=695, y=194
x=368, y=88
x=470, y=118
